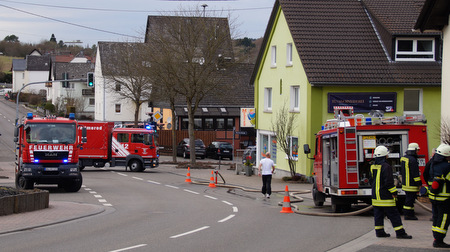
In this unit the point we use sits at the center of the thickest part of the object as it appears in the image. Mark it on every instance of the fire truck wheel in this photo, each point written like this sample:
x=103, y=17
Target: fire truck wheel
x=73, y=185
x=135, y=165
x=318, y=197
x=23, y=183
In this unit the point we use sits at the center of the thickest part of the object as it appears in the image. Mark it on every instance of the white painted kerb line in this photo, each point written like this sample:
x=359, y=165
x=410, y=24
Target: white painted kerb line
x=190, y=232
x=133, y=247
x=189, y=191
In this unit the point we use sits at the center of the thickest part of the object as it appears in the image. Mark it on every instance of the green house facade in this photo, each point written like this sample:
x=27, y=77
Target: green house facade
x=318, y=53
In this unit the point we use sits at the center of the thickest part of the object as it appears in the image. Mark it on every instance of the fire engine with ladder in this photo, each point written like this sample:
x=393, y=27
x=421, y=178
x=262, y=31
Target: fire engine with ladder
x=344, y=153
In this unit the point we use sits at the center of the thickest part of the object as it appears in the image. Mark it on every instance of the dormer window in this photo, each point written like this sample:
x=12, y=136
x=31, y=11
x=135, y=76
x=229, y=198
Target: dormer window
x=414, y=49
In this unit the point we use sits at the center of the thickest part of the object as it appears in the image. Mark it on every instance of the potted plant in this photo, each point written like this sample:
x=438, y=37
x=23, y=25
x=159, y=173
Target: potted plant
x=248, y=166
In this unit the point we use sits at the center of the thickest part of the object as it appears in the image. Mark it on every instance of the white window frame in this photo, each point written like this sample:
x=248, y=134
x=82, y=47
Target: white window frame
x=270, y=137
x=289, y=54
x=414, y=51
x=295, y=98
x=268, y=99
x=291, y=149
x=274, y=56
x=420, y=111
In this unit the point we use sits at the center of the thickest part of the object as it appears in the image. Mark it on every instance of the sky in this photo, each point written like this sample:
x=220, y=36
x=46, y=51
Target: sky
x=90, y=21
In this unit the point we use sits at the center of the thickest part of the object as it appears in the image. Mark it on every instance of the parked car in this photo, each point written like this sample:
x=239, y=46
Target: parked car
x=184, y=150
x=250, y=151
x=220, y=150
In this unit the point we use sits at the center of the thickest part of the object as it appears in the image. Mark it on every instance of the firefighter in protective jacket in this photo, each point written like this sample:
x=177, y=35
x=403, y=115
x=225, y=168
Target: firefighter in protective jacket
x=384, y=195
x=411, y=181
x=439, y=194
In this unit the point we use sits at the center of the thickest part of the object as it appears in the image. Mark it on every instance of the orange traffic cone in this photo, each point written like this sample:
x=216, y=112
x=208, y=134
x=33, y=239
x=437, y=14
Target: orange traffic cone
x=188, y=179
x=211, y=181
x=286, y=203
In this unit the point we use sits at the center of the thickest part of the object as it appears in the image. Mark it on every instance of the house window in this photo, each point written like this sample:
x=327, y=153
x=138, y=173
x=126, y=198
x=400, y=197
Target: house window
x=185, y=123
x=220, y=123
x=274, y=56
x=230, y=123
x=289, y=54
x=295, y=99
x=117, y=86
x=417, y=49
x=268, y=143
x=268, y=99
x=65, y=84
x=91, y=101
x=209, y=123
x=412, y=101
x=118, y=108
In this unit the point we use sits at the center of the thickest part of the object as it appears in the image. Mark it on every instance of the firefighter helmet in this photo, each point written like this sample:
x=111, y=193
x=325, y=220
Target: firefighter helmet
x=443, y=150
x=381, y=151
x=413, y=146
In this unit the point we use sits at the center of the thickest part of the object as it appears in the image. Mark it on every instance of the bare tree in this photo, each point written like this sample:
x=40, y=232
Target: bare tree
x=126, y=74
x=283, y=126
x=191, y=51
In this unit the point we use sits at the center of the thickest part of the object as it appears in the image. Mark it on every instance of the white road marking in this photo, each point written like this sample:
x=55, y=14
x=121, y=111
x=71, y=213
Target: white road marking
x=235, y=209
x=171, y=186
x=189, y=191
x=226, y=202
x=98, y=196
x=107, y=204
x=121, y=174
x=227, y=218
x=102, y=201
x=87, y=189
x=153, y=182
x=210, y=197
x=132, y=247
x=138, y=178
x=93, y=192
x=190, y=232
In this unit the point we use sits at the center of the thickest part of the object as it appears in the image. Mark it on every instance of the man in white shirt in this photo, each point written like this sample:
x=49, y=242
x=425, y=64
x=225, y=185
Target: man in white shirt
x=266, y=169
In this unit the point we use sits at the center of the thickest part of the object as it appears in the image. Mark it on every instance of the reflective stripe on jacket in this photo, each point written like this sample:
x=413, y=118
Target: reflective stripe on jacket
x=440, y=168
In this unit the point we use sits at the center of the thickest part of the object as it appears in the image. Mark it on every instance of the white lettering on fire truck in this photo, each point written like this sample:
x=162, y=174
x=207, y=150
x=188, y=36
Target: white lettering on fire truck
x=94, y=128
x=49, y=147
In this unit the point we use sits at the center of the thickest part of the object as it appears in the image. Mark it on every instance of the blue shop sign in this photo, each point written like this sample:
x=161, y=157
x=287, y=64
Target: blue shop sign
x=364, y=102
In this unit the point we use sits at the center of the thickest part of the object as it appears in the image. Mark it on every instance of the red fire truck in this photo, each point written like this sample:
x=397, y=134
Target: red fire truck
x=47, y=152
x=136, y=148
x=344, y=153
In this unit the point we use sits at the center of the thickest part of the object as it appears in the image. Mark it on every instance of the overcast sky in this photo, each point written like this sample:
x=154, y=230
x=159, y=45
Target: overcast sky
x=91, y=21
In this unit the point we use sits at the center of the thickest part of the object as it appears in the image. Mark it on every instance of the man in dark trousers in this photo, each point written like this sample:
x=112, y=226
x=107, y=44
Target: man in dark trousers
x=384, y=195
x=439, y=194
x=411, y=181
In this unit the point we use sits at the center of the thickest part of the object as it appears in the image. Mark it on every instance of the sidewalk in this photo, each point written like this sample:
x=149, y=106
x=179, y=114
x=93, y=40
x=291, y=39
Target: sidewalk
x=64, y=211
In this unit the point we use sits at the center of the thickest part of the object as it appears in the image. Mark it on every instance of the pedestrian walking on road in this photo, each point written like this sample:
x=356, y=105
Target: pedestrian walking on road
x=266, y=169
x=439, y=194
x=411, y=181
x=384, y=196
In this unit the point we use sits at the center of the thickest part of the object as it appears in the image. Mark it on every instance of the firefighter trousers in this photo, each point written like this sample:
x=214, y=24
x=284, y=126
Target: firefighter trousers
x=441, y=210
x=408, y=208
x=392, y=214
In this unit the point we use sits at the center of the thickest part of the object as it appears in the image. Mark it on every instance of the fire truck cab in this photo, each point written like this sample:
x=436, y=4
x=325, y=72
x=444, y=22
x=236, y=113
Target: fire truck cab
x=47, y=152
x=344, y=153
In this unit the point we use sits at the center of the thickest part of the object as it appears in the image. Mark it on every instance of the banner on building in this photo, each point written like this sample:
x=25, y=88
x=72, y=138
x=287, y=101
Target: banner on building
x=364, y=102
x=248, y=117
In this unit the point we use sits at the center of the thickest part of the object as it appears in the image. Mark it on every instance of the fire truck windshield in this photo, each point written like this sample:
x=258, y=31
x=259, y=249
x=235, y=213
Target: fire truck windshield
x=63, y=133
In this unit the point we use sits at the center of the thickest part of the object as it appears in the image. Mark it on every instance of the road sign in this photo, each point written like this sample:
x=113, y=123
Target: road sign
x=241, y=133
x=157, y=116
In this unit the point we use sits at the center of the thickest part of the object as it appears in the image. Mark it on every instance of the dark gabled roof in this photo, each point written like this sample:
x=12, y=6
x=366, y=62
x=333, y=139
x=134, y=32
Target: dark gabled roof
x=156, y=24
x=434, y=15
x=75, y=70
x=19, y=64
x=112, y=52
x=38, y=63
x=348, y=42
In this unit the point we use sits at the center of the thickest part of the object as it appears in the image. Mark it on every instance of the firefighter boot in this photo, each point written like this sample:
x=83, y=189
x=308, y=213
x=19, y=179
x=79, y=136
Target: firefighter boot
x=440, y=244
x=382, y=234
x=401, y=234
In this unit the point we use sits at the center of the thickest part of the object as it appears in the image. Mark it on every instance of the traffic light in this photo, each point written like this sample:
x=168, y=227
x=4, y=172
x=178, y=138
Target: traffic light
x=90, y=79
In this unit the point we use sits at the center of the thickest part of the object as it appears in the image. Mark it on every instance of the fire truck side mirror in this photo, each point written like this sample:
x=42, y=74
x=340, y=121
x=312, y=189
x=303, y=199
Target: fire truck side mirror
x=83, y=135
x=306, y=149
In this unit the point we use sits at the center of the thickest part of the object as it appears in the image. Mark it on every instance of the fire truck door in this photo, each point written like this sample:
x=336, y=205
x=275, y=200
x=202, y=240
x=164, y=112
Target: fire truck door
x=330, y=164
